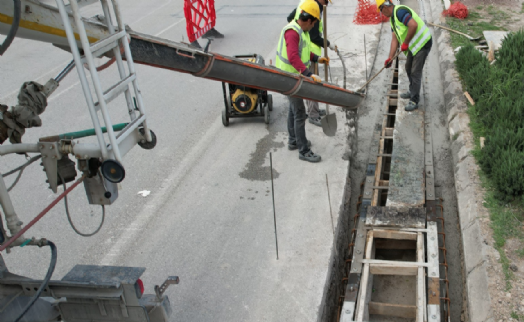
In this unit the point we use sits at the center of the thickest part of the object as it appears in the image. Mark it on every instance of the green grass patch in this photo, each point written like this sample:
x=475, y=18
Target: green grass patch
x=520, y=252
x=471, y=26
x=517, y=316
x=522, y=10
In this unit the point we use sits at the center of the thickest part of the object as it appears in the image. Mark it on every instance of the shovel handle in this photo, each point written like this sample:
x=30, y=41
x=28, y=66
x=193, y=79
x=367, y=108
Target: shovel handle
x=449, y=29
x=380, y=71
x=324, y=21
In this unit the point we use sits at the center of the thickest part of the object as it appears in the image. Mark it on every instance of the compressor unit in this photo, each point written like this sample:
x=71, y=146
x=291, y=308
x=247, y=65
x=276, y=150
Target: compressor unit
x=243, y=101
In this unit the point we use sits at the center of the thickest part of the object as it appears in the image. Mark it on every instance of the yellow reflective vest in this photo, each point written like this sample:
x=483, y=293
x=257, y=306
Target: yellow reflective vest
x=422, y=35
x=282, y=61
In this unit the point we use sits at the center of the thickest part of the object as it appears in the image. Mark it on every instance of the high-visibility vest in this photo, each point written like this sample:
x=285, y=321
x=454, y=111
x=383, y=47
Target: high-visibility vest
x=313, y=47
x=422, y=35
x=282, y=61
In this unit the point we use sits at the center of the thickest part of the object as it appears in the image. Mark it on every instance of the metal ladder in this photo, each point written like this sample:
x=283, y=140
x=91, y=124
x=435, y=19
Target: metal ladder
x=117, y=41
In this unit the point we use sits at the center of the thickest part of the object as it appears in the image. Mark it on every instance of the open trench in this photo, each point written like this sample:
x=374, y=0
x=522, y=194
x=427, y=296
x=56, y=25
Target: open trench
x=368, y=120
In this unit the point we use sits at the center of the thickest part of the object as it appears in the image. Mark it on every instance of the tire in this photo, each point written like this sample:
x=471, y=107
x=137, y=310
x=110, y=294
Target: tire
x=266, y=114
x=270, y=101
x=225, y=118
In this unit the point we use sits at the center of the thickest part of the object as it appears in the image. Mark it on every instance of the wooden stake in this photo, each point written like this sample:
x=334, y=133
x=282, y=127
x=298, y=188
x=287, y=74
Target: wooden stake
x=471, y=101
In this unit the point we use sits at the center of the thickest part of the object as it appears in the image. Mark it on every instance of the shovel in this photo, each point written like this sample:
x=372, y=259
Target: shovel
x=457, y=32
x=361, y=90
x=328, y=122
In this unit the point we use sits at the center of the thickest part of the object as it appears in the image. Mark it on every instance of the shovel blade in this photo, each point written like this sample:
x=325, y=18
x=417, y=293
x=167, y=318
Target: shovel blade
x=329, y=124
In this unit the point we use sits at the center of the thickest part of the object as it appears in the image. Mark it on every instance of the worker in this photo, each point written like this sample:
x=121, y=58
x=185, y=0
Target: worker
x=317, y=43
x=294, y=56
x=410, y=31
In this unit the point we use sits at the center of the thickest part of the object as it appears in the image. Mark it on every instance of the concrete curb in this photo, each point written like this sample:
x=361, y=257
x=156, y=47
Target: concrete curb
x=478, y=301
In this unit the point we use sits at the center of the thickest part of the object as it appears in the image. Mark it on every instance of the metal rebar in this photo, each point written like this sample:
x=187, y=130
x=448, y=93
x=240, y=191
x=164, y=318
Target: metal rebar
x=329, y=201
x=273, y=196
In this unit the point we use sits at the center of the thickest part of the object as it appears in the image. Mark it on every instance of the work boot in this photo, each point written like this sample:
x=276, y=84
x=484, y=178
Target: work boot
x=315, y=121
x=322, y=112
x=309, y=156
x=411, y=106
x=405, y=95
x=292, y=147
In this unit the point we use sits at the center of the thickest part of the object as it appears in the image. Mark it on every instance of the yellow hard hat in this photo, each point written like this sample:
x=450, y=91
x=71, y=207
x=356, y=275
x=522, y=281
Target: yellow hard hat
x=379, y=3
x=311, y=7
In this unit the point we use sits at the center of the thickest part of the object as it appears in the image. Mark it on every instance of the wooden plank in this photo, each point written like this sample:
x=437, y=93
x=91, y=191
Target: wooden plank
x=421, y=289
x=389, y=131
x=401, y=311
x=396, y=217
x=391, y=269
x=396, y=263
x=394, y=234
x=394, y=244
x=362, y=313
x=406, y=181
x=433, y=250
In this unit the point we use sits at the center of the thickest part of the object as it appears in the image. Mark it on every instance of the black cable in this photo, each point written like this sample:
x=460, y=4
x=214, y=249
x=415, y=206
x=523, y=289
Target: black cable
x=21, y=169
x=44, y=282
x=14, y=27
x=71, y=221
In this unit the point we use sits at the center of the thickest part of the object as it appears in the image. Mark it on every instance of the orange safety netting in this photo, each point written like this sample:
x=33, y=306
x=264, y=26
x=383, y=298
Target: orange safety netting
x=366, y=14
x=457, y=10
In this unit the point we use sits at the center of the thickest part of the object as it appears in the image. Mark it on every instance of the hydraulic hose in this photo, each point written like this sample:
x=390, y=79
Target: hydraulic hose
x=44, y=282
x=14, y=27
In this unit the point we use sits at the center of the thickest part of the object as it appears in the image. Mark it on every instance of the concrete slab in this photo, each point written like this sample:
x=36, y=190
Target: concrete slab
x=495, y=36
x=406, y=180
x=396, y=217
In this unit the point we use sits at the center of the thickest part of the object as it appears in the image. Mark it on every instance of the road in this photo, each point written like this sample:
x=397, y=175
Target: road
x=209, y=215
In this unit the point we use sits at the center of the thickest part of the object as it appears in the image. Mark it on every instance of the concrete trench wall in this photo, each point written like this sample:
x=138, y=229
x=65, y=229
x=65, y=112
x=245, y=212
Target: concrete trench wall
x=333, y=289
x=477, y=306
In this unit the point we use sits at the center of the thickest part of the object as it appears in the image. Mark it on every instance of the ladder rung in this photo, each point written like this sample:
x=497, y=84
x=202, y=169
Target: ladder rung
x=118, y=88
x=106, y=44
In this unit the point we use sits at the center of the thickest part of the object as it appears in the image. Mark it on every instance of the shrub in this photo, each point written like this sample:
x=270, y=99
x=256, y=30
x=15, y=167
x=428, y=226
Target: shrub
x=510, y=56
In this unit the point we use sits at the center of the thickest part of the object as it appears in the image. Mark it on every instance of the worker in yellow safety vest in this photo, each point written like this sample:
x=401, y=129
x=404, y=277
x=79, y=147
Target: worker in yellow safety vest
x=317, y=43
x=294, y=55
x=414, y=36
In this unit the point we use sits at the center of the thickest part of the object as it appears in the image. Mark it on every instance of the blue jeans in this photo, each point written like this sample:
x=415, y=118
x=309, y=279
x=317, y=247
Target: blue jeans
x=296, y=124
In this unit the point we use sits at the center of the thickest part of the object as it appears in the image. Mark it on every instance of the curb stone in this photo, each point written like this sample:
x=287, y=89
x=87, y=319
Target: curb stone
x=478, y=301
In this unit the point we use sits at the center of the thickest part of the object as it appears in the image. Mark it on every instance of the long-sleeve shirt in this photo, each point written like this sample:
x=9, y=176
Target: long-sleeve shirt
x=314, y=34
x=292, y=41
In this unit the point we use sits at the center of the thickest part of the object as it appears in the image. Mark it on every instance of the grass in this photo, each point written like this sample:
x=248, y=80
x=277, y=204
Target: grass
x=520, y=252
x=506, y=218
x=474, y=24
x=517, y=316
x=522, y=10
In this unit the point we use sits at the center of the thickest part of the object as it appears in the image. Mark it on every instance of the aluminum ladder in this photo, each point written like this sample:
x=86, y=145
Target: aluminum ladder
x=117, y=41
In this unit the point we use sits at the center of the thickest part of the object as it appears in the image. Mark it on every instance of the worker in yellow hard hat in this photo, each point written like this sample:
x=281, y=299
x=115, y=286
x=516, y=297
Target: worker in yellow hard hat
x=317, y=43
x=294, y=56
x=409, y=30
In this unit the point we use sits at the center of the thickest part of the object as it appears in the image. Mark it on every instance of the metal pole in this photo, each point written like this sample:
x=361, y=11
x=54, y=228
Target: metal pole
x=329, y=200
x=273, y=195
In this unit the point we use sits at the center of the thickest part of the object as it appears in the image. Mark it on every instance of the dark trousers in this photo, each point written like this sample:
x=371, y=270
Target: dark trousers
x=414, y=66
x=296, y=124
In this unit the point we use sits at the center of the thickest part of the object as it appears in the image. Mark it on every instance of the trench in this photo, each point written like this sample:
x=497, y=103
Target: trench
x=370, y=119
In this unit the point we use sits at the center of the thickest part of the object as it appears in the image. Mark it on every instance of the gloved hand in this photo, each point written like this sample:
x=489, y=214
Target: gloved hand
x=404, y=47
x=332, y=46
x=316, y=78
x=388, y=63
x=323, y=60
